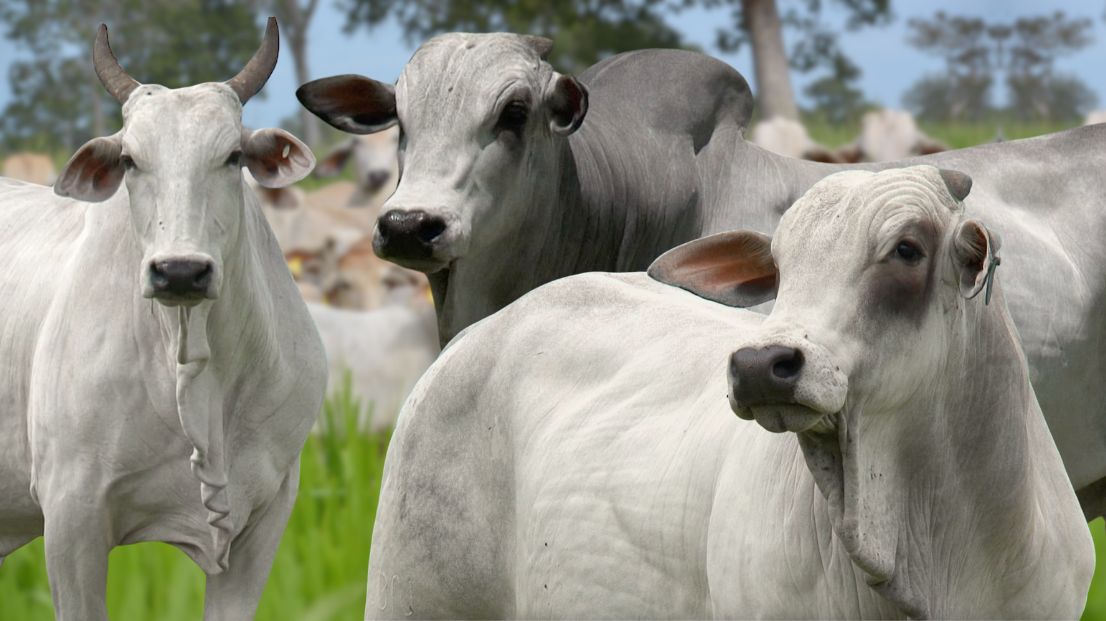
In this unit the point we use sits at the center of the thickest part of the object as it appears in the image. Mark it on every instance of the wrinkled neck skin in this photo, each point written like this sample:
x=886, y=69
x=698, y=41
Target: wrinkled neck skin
x=483, y=281
x=203, y=348
x=938, y=504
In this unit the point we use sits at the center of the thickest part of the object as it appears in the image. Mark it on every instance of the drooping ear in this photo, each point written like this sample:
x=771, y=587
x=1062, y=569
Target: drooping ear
x=734, y=268
x=336, y=160
x=973, y=250
x=568, y=103
x=94, y=172
x=352, y=103
x=275, y=157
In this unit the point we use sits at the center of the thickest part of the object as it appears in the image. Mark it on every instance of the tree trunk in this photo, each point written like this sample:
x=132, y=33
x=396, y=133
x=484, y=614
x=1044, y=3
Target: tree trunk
x=773, y=76
x=309, y=126
x=295, y=20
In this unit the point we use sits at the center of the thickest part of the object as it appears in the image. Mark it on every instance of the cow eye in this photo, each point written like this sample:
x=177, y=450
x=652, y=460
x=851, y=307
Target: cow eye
x=909, y=252
x=128, y=163
x=513, y=118
x=234, y=159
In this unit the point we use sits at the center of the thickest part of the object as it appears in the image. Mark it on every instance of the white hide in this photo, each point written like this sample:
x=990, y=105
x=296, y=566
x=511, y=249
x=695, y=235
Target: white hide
x=574, y=455
x=383, y=352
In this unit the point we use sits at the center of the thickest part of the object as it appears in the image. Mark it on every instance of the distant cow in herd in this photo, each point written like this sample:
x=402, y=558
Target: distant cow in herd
x=30, y=167
x=885, y=135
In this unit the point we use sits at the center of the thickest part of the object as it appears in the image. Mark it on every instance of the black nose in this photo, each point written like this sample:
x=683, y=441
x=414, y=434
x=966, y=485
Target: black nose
x=768, y=375
x=408, y=234
x=377, y=178
x=185, y=278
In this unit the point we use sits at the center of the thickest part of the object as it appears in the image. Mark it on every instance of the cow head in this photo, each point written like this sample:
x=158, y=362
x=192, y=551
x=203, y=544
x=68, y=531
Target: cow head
x=870, y=273
x=180, y=153
x=373, y=157
x=509, y=113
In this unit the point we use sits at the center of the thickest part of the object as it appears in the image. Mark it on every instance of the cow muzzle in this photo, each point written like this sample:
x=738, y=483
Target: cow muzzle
x=184, y=280
x=786, y=385
x=414, y=239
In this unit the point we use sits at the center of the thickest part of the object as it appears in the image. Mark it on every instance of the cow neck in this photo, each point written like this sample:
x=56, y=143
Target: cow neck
x=204, y=343
x=536, y=250
x=910, y=516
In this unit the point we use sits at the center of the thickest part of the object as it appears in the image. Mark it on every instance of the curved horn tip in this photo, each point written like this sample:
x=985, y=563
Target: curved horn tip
x=111, y=74
x=256, y=73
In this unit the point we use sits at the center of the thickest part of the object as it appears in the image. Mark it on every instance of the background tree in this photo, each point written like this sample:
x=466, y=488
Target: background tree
x=585, y=31
x=295, y=21
x=963, y=90
x=57, y=102
x=835, y=97
x=975, y=52
x=1035, y=89
x=760, y=24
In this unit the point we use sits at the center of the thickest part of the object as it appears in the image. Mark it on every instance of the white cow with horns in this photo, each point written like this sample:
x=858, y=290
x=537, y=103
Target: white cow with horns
x=159, y=371
x=574, y=455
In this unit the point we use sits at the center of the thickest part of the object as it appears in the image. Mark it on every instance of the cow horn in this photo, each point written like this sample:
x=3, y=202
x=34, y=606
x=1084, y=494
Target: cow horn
x=256, y=73
x=957, y=183
x=111, y=74
x=541, y=45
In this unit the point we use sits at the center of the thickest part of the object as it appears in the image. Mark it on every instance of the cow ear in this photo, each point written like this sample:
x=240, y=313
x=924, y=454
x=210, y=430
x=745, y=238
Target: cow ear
x=974, y=255
x=734, y=268
x=94, y=172
x=276, y=158
x=336, y=160
x=568, y=103
x=352, y=103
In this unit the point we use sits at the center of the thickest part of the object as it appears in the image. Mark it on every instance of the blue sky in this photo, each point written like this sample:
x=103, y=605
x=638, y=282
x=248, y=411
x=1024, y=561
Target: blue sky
x=889, y=65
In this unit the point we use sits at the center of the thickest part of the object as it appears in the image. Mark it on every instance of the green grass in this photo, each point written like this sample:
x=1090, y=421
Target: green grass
x=320, y=568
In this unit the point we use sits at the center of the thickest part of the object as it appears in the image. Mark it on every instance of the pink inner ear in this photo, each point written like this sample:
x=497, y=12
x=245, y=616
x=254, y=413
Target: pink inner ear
x=734, y=268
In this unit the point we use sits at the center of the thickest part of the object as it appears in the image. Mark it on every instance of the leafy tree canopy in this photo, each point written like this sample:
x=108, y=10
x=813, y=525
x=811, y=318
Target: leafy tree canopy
x=57, y=102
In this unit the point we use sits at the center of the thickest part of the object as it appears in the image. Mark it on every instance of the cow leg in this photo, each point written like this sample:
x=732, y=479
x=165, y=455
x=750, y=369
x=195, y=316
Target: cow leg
x=235, y=593
x=78, y=538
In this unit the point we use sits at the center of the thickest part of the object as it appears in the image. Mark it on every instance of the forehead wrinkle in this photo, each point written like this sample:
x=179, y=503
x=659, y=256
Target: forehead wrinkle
x=185, y=124
x=463, y=72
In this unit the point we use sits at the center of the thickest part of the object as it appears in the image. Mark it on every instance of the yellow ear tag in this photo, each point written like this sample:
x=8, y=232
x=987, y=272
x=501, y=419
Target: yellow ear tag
x=295, y=265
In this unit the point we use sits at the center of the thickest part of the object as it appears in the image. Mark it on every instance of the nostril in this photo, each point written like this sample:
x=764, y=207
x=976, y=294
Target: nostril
x=203, y=277
x=431, y=229
x=789, y=366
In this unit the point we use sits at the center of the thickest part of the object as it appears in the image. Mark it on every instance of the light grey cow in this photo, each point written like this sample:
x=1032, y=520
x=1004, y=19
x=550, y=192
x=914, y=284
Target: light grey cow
x=375, y=168
x=160, y=372
x=495, y=199
x=574, y=455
